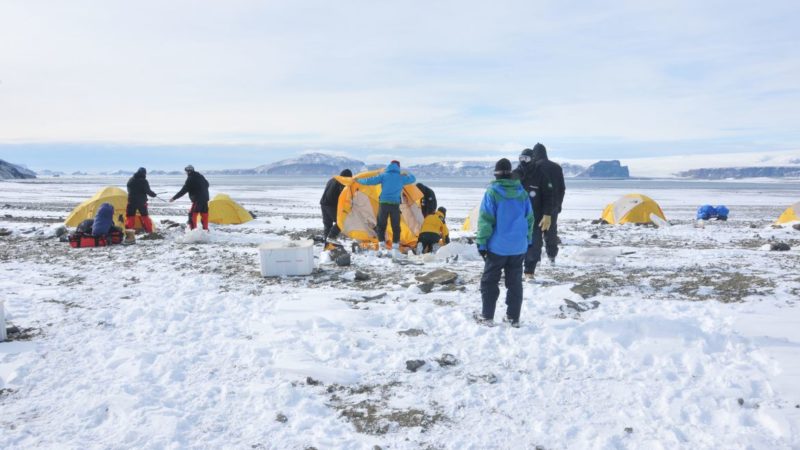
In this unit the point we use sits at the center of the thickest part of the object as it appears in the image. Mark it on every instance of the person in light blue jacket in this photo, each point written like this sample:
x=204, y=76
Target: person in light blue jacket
x=392, y=181
x=505, y=230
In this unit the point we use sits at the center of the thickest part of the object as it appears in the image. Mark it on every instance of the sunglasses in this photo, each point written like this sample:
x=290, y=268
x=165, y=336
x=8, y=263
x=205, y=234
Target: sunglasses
x=524, y=158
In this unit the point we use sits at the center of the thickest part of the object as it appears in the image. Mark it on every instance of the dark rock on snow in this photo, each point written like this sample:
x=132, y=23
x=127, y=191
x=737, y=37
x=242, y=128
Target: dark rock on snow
x=447, y=360
x=425, y=287
x=413, y=332
x=796, y=226
x=343, y=260
x=414, y=364
x=361, y=276
x=779, y=247
x=438, y=276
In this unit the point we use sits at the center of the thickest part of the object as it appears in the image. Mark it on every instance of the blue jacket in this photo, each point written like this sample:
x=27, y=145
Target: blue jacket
x=391, y=181
x=103, y=220
x=505, y=222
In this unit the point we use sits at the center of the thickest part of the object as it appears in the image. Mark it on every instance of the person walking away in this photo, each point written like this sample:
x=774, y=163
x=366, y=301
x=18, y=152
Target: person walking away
x=196, y=186
x=555, y=174
x=330, y=204
x=540, y=191
x=428, y=202
x=392, y=181
x=138, y=190
x=434, y=230
x=505, y=231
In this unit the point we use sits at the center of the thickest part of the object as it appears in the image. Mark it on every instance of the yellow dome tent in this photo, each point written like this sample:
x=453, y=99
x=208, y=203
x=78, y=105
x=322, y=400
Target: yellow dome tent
x=632, y=208
x=224, y=211
x=357, y=212
x=110, y=194
x=791, y=214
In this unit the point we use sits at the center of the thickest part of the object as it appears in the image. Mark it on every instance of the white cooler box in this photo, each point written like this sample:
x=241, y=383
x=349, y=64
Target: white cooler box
x=287, y=258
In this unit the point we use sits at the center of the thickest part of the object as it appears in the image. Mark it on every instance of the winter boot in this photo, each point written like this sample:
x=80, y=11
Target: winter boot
x=204, y=220
x=510, y=321
x=130, y=222
x=395, y=252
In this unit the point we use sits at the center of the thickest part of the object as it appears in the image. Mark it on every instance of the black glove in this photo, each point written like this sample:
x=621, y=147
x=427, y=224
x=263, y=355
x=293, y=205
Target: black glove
x=482, y=252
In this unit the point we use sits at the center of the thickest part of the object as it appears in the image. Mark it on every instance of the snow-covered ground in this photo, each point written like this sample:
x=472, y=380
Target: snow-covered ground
x=680, y=337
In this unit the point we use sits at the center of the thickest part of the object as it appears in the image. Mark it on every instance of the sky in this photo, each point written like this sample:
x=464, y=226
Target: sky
x=241, y=83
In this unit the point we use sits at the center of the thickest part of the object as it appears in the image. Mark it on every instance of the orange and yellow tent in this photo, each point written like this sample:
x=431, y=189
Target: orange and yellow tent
x=357, y=212
x=223, y=210
x=633, y=208
x=790, y=214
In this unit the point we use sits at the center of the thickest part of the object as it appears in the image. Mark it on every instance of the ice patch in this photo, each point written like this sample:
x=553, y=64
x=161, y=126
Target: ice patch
x=465, y=252
x=196, y=236
x=597, y=255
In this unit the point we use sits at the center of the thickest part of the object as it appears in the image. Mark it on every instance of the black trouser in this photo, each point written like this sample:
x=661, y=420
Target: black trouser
x=130, y=210
x=490, y=291
x=550, y=240
x=428, y=240
x=387, y=211
x=329, y=221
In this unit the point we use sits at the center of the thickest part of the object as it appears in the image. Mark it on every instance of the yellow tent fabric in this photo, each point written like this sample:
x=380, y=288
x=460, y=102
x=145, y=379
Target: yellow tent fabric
x=224, y=211
x=471, y=222
x=791, y=214
x=632, y=208
x=117, y=197
x=357, y=212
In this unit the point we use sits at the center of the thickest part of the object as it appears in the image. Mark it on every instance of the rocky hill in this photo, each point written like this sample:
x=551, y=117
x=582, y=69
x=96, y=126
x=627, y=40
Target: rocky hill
x=14, y=172
x=606, y=169
x=309, y=164
x=722, y=173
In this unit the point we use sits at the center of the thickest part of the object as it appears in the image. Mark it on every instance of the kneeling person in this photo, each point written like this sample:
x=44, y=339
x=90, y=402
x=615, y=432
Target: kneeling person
x=434, y=230
x=505, y=230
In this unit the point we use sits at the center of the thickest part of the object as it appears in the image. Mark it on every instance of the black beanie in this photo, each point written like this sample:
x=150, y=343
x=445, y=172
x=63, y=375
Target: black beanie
x=502, y=169
x=442, y=210
x=346, y=173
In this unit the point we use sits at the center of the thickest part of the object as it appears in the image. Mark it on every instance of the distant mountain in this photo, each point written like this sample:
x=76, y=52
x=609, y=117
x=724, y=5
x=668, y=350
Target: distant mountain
x=606, y=169
x=79, y=174
x=473, y=169
x=50, y=173
x=722, y=173
x=309, y=164
x=164, y=172
x=572, y=170
x=14, y=172
x=314, y=164
x=453, y=169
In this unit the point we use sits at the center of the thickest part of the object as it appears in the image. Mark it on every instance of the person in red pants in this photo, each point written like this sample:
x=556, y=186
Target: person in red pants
x=196, y=186
x=138, y=190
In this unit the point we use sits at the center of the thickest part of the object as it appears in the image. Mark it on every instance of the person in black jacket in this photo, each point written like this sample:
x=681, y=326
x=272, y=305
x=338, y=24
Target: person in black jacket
x=540, y=189
x=428, y=201
x=555, y=174
x=138, y=190
x=330, y=203
x=197, y=187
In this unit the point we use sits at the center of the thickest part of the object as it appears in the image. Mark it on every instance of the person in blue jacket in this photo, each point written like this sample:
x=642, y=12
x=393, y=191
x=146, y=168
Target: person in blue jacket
x=103, y=220
x=392, y=182
x=505, y=230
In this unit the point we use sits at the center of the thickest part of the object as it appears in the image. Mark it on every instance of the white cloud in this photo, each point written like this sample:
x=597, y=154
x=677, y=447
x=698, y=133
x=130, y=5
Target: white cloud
x=447, y=74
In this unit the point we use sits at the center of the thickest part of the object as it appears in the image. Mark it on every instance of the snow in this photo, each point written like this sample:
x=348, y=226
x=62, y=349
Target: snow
x=689, y=339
